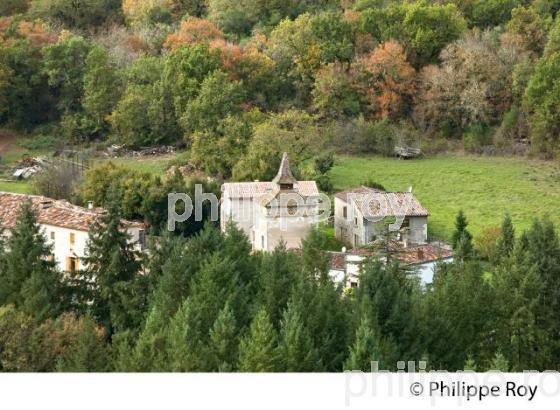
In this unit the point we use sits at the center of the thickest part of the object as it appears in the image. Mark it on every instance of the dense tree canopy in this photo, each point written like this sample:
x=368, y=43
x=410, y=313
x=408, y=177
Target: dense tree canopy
x=471, y=70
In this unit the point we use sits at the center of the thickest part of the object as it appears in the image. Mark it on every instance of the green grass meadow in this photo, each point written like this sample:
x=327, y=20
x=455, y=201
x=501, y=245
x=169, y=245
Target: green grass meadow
x=484, y=187
x=19, y=187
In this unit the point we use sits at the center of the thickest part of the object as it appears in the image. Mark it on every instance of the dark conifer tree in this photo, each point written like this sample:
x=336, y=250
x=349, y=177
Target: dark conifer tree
x=506, y=242
x=223, y=343
x=112, y=267
x=277, y=272
x=365, y=349
x=29, y=279
x=461, y=233
x=295, y=349
x=185, y=342
x=257, y=351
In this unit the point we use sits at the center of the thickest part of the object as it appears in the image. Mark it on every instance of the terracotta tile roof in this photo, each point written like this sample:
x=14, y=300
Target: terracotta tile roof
x=256, y=189
x=51, y=212
x=363, y=190
x=377, y=203
x=414, y=255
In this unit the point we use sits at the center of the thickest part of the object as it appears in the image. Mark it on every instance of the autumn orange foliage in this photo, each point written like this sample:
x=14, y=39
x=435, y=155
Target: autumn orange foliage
x=392, y=79
x=194, y=30
x=234, y=57
x=34, y=31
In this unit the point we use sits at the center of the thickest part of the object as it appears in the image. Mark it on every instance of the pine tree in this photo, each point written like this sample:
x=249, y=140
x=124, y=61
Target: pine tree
x=506, y=242
x=388, y=295
x=158, y=254
x=544, y=255
x=461, y=232
x=257, y=351
x=315, y=260
x=29, y=279
x=185, y=349
x=223, y=342
x=326, y=316
x=520, y=336
x=499, y=363
x=470, y=364
x=276, y=277
x=178, y=266
x=365, y=349
x=295, y=348
x=460, y=316
x=216, y=284
x=149, y=353
x=112, y=266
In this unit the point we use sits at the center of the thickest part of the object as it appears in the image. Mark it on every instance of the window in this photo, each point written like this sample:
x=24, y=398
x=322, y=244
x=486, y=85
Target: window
x=405, y=223
x=72, y=238
x=286, y=187
x=52, y=236
x=292, y=207
x=356, y=220
x=142, y=238
x=72, y=264
x=345, y=212
x=262, y=241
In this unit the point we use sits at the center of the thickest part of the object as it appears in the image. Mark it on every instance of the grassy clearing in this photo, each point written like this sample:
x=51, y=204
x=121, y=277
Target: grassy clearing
x=19, y=187
x=152, y=165
x=485, y=188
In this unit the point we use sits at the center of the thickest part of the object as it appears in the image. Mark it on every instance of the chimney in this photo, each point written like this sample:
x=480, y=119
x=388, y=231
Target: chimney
x=90, y=204
x=410, y=188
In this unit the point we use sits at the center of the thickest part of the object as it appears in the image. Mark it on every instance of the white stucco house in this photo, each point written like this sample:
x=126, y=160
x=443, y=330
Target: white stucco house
x=65, y=226
x=346, y=266
x=283, y=209
x=360, y=212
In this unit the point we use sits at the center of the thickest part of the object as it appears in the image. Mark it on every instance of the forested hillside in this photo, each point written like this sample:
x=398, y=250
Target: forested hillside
x=238, y=81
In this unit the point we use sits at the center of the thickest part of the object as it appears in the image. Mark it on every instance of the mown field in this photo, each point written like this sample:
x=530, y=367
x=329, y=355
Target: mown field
x=484, y=187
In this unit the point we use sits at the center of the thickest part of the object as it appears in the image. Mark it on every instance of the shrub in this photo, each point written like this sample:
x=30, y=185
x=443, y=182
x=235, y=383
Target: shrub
x=476, y=138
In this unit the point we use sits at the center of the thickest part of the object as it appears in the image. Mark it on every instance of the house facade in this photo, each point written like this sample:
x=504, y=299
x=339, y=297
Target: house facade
x=65, y=226
x=360, y=212
x=282, y=210
x=346, y=266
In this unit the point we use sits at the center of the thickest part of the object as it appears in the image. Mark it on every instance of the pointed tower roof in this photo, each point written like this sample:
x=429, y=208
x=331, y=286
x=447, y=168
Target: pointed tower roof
x=284, y=175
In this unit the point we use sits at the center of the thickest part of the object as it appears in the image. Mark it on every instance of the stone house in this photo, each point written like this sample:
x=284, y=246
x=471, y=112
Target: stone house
x=360, y=212
x=283, y=209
